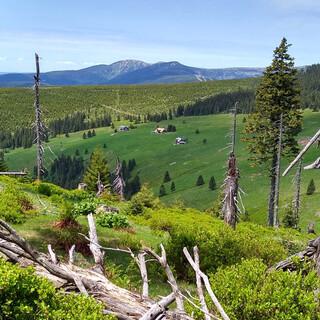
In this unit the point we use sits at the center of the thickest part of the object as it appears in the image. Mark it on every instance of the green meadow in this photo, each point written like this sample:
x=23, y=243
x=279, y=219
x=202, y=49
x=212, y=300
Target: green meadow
x=155, y=154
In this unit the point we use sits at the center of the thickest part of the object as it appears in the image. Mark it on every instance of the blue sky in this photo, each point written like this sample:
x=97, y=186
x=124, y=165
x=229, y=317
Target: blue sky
x=74, y=34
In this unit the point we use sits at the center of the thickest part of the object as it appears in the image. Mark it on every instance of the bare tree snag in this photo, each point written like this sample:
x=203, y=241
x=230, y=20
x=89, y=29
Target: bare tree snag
x=206, y=283
x=303, y=151
x=231, y=183
x=53, y=256
x=71, y=254
x=171, y=279
x=39, y=126
x=203, y=304
x=98, y=255
x=314, y=165
x=277, y=175
x=118, y=184
x=297, y=196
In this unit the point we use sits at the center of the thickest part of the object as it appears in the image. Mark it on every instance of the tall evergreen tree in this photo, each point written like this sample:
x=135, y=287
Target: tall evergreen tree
x=212, y=183
x=173, y=186
x=98, y=167
x=166, y=177
x=200, y=181
x=311, y=188
x=278, y=93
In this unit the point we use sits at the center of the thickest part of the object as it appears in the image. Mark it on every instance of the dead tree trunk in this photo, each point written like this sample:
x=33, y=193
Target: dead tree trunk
x=277, y=175
x=39, y=127
x=296, y=201
x=230, y=208
x=118, y=184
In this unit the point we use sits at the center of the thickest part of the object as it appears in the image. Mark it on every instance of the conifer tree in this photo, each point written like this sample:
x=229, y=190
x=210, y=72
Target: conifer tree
x=162, y=191
x=311, y=188
x=278, y=94
x=212, y=183
x=173, y=186
x=94, y=133
x=84, y=136
x=166, y=177
x=200, y=181
x=97, y=168
x=89, y=135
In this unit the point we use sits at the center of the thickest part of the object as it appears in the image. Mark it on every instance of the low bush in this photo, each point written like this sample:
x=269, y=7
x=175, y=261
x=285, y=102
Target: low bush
x=44, y=188
x=113, y=220
x=248, y=292
x=14, y=204
x=219, y=245
x=25, y=296
x=85, y=206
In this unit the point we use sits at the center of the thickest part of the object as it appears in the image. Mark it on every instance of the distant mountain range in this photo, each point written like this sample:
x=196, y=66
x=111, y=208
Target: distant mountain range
x=129, y=72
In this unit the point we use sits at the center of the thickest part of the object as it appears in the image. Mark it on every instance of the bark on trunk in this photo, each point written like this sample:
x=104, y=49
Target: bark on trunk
x=273, y=182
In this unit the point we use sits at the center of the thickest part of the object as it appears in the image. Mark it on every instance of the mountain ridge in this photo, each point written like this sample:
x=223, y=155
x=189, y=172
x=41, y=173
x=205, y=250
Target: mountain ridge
x=130, y=72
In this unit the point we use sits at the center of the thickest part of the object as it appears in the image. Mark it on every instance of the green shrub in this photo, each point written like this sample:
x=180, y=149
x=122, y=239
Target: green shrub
x=85, y=206
x=114, y=220
x=25, y=296
x=143, y=199
x=219, y=245
x=248, y=292
x=44, y=188
x=14, y=204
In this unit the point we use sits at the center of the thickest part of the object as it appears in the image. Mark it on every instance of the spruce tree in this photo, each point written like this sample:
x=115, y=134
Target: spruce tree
x=97, y=167
x=200, y=181
x=166, y=177
x=277, y=94
x=173, y=186
x=84, y=136
x=212, y=183
x=89, y=134
x=94, y=133
x=162, y=191
x=311, y=188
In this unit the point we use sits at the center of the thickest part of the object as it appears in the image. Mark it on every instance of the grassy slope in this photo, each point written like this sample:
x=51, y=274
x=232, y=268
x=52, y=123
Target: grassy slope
x=16, y=104
x=156, y=153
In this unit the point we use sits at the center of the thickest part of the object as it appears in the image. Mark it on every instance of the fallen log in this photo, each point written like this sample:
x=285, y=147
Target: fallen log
x=121, y=302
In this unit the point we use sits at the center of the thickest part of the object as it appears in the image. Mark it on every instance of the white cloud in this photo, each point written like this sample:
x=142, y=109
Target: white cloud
x=3, y=58
x=20, y=59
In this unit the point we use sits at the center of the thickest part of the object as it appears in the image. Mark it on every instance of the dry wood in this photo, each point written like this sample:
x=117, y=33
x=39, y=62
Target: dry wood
x=98, y=255
x=203, y=304
x=314, y=165
x=141, y=261
x=206, y=283
x=303, y=151
x=118, y=301
x=159, y=308
x=312, y=251
x=163, y=262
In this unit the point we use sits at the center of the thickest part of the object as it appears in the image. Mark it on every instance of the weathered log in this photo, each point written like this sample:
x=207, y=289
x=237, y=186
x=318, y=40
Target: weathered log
x=314, y=165
x=312, y=251
x=118, y=301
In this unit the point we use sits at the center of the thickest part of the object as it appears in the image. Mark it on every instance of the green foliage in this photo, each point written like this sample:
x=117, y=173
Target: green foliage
x=44, y=188
x=173, y=186
x=278, y=93
x=3, y=165
x=212, y=183
x=25, y=296
x=248, y=292
x=85, y=206
x=219, y=245
x=113, y=220
x=311, y=188
x=14, y=204
x=97, y=167
x=290, y=220
x=162, y=191
x=142, y=200
x=200, y=181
